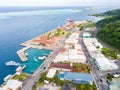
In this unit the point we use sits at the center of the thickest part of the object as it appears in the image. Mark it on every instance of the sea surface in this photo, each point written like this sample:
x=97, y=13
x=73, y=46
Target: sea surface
x=18, y=24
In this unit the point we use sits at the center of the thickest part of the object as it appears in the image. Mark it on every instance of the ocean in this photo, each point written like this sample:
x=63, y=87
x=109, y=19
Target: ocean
x=19, y=24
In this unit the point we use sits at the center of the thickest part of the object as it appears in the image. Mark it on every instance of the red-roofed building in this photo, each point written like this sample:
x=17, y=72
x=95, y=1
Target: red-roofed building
x=61, y=66
x=43, y=39
x=62, y=50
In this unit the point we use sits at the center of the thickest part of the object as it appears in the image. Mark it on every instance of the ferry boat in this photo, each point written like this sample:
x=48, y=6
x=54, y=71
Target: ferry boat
x=12, y=63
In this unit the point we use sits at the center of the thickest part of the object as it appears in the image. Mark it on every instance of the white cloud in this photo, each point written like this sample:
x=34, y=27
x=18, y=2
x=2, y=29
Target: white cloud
x=57, y=2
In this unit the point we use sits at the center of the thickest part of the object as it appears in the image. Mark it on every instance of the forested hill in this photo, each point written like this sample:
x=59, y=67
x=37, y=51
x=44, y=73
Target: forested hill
x=111, y=13
x=110, y=28
x=108, y=13
x=108, y=20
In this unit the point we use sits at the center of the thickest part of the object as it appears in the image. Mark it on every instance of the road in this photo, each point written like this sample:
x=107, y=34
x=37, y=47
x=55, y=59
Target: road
x=44, y=66
x=95, y=72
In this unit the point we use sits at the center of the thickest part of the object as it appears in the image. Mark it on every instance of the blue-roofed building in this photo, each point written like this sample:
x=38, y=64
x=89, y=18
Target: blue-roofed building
x=78, y=77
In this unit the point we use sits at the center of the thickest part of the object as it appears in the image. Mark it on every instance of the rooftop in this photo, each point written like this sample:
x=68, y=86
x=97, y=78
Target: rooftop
x=62, y=65
x=78, y=76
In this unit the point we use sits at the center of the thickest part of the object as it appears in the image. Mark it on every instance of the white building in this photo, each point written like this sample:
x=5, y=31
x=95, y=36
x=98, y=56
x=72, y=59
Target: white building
x=51, y=73
x=12, y=85
x=86, y=35
x=104, y=64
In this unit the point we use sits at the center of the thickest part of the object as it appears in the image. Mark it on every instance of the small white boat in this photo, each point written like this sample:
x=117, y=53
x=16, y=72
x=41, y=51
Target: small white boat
x=42, y=58
x=26, y=54
x=12, y=63
x=35, y=59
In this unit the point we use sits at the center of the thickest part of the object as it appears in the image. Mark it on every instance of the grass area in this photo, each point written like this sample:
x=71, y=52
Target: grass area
x=20, y=77
x=80, y=26
x=61, y=33
x=110, y=53
x=81, y=68
x=90, y=25
x=86, y=87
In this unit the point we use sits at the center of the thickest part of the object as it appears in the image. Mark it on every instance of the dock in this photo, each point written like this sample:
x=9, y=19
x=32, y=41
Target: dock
x=22, y=55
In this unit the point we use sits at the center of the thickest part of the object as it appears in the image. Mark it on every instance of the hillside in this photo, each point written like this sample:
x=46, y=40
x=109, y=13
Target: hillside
x=110, y=29
x=108, y=13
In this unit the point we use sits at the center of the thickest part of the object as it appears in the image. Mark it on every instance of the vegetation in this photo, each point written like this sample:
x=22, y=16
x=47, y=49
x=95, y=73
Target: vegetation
x=81, y=68
x=109, y=13
x=43, y=77
x=20, y=77
x=110, y=53
x=90, y=24
x=61, y=33
x=105, y=22
x=86, y=87
x=109, y=77
x=80, y=26
x=110, y=28
x=111, y=34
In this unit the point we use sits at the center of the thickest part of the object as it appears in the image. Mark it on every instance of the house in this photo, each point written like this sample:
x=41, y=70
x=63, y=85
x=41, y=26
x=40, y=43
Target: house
x=68, y=86
x=12, y=85
x=104, y=64
x=115, y=84
x=62, y=66
x=77, y=77
x=51, y=73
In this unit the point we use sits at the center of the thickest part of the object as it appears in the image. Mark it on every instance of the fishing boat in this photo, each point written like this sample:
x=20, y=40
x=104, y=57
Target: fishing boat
x=12, y=63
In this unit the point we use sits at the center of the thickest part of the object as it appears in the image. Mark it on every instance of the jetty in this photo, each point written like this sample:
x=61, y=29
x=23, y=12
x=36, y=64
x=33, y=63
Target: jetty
x=22, y=55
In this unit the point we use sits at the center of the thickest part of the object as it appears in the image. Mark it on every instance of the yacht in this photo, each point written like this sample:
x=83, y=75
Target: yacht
x=12, y=63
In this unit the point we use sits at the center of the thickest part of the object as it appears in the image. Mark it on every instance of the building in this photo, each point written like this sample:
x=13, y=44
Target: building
x=115, y=84
x=68, y=86
x=86, y=35
x=62, y=66
x=105, y=65
x=12, y=85
x=77, y=77
x=51, y=73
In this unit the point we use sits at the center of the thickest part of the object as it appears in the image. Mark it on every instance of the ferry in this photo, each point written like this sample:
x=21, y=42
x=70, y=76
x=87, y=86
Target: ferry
x=12, y=63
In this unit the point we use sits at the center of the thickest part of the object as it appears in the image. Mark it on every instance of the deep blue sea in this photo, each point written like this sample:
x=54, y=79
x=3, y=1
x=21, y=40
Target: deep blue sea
x=18, y=24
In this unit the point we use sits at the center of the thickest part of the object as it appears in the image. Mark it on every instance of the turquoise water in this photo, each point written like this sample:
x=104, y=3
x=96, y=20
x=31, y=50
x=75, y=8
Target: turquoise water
x=19, y=24
x=33, y=62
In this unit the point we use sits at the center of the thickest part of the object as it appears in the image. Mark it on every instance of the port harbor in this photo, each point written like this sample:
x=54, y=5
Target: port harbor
x=69, y=51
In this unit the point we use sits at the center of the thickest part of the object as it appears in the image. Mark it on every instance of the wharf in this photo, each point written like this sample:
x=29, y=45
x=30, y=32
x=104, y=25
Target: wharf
x=22, y=55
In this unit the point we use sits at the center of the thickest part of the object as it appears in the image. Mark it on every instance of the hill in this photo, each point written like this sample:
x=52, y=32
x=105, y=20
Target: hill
x=110, y=28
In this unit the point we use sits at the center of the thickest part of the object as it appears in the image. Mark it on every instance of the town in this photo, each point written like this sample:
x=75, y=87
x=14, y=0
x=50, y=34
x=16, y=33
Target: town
x=76, y=61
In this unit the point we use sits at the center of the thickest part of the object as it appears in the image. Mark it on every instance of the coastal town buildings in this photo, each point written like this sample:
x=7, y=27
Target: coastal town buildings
x=77, y=77
x=62, y=66
x=51, y=73
x=107, y=65
x=12, y=85
x=115, y=84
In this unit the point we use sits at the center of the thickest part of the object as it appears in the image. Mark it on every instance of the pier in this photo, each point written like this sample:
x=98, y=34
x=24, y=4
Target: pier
x=21, y=53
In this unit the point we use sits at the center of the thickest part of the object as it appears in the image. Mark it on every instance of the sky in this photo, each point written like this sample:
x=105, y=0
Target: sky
x=59, y=2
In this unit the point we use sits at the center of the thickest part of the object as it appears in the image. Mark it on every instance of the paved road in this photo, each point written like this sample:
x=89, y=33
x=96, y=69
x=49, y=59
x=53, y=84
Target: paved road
x=95, y=72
